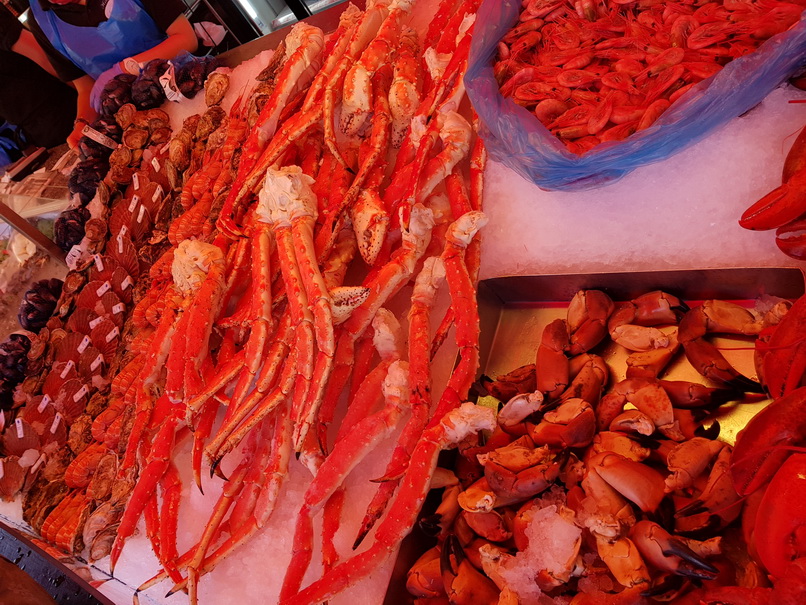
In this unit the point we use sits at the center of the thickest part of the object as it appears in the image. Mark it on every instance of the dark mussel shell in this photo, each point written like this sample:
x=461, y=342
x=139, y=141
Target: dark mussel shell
x=38, y=304
x=69, y=227
x=117, y=92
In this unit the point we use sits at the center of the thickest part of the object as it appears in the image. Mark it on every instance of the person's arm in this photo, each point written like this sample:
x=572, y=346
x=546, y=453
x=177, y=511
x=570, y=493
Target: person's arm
x=27, y=46
x=180, y=37
x=85, y=114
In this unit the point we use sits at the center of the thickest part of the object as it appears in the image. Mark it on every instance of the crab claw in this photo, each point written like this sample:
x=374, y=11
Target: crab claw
x=463, y=583
x=779, y=207
x=668, y=553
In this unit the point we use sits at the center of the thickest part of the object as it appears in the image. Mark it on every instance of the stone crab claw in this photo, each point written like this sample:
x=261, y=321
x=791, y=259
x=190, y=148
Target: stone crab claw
x=669, y=553
x=520, y=470
x=463, y=583
x=424, y=579
x=571, y=424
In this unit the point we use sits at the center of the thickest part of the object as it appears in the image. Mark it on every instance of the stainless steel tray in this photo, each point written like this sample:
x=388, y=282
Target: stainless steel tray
x=61, y=583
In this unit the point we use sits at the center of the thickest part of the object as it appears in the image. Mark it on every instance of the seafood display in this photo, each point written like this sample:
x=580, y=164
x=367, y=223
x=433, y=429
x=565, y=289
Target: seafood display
x=593, y=73
x=577, y=497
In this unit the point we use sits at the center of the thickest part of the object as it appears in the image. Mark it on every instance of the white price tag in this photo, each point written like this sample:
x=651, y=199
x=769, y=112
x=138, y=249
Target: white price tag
x=157, y=194
x=2, y=424
x=141, y=214
x=43, y=404
x=136, y=180
x=103, y=289
x=118, y=308
x=94, y=323
x=20, y=430
x=82, y=346
x=156, y=164
x=128, y=282
x=70, y=363
x=99, y=263
x=113, y=333
x=39, y=462
x=56, y=422
x=120, y=241
x=73, y=257
x=98, y=137
x=133, y=203
x=2, y=469
x=168, y=83
x=80, y=393
x=97, y=363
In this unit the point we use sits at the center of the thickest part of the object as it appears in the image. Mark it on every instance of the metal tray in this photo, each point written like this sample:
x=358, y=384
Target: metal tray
x=61, y=583
x=514, y=310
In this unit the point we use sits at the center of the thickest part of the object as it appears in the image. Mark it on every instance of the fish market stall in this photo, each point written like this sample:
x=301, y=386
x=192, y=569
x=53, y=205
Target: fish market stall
x=272, y=305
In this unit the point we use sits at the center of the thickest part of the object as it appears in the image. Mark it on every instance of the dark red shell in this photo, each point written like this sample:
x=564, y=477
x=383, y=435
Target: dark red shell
x=121, y=248
x=18, y=437
x=71, y=346
x=105, y=337
x=122, y=285
x=39, y=416
x=72, y=399
x=54, y=380
x=12, y=477
x=80, y=321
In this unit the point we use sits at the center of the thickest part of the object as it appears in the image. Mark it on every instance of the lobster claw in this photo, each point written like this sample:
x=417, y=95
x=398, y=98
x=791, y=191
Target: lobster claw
x=779, y=207
x=784, y=355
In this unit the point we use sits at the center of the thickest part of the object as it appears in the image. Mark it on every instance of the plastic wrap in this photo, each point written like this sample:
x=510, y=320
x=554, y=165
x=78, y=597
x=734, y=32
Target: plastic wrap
x=515, y=137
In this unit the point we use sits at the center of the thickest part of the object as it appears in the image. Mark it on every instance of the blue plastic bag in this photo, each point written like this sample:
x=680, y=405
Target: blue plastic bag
x=514, y=136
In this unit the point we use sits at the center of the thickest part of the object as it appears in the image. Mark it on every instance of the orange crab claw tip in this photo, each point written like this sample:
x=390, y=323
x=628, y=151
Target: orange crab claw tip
x=170, y=592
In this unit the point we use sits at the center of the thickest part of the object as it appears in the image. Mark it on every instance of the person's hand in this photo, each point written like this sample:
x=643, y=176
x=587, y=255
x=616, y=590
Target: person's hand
x=73, y=137
x=100, y=82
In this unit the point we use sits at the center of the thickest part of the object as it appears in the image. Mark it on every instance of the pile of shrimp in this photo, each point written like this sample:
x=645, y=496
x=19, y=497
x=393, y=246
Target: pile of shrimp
x=593, y=73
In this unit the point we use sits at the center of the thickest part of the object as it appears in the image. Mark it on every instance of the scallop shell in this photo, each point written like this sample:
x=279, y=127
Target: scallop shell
x=121, y=248
x=122, y=156
x=122, y=285
x=73, y=282
x=125, y=115
x=152, y=197
x=57, y=431
x=108, y=265
x=95, y=229
x=121, y=218
x=105, y=337
x=39, y=416
x=91, y=294
x=54, y=381
x=135, y=137
x=38, y=346
x=92, y=363
x=12, y=477
x=215, y=88
x=141, y=224
x=113, y=308
x=18, y=437
x=71, y=347
x=72, y=398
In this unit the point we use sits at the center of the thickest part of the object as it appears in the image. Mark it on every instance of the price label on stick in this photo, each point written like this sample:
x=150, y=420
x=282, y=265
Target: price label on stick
x=168, y=83
x=98, y=137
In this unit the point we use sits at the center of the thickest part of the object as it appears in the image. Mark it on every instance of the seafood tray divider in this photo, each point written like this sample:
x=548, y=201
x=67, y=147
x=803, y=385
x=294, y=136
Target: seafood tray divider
x=514, y=311
x=60, y=582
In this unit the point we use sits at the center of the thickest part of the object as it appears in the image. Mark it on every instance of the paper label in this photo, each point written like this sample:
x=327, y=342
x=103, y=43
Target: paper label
x=103, y=289
x=127, y=283
x=122, y=233
x=2, y=469
x=113, y=333
x=38, y=463
x=2, y=424
x=80, y=393
x=133, y=203
x=141, y=214
x=70, y=364
x=156, y=164
x=98, y=137
x=56, y=422
x=168, y=82
x=97, y=363
x=157, y=194
x=43, y=404
x=165, y=148
x=94, y=323
x=120, y=241
x=99, y=263
x=73, y=257
x=118, y=308
x=136, y=180
x=20, y=430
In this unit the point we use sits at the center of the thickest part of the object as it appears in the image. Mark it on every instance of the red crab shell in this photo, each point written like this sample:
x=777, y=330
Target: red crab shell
x=39, y=413
x=18, y=437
